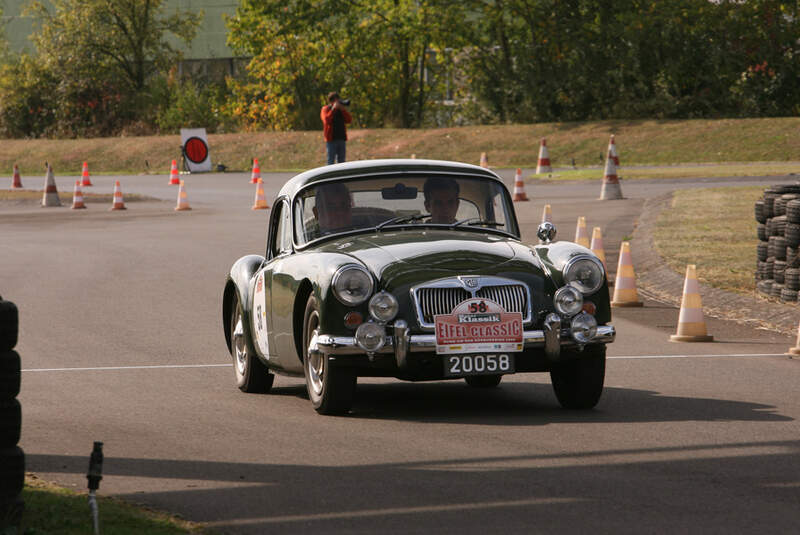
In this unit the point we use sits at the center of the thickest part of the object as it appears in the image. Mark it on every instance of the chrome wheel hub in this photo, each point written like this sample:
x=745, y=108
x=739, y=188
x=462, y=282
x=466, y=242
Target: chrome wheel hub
x=315, y=361
x=239, y=346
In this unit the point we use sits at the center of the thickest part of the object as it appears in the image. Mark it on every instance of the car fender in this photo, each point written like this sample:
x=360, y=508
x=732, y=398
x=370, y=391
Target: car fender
x=240, y=280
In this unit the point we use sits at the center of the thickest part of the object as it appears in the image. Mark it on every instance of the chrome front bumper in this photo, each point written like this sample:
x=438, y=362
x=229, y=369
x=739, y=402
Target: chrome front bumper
x=401, y=342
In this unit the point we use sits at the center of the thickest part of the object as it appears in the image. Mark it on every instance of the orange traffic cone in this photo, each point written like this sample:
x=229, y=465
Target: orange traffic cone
x=543, y=165
x=50, y=197
x=173, y=175
x=581, y=234
x=183, y=199
x=519, y=187
x=77, y=197
x=484, y=161
x=691, y=325
x=261, y=202
x=625, y=294
x=794, y=352
x=597, y=248
x=16, y=181
x=255, y=176
x=118, y=203
x=413, y=156
x=612, y=150
x=547, y=214
x=611, y=189
x=85, y=175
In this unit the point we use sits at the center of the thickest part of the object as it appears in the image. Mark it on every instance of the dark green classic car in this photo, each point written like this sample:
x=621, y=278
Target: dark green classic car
x=412, y=269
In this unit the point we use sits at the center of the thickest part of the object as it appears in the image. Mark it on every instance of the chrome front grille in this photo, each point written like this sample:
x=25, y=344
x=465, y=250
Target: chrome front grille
x=440, y=297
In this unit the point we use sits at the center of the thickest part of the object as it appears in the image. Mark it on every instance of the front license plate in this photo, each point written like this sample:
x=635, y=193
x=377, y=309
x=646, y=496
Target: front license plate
x=464, y=365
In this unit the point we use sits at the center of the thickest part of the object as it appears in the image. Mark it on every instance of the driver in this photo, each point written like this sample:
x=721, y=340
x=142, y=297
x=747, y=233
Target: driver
x=441, y=199
x=333, y=207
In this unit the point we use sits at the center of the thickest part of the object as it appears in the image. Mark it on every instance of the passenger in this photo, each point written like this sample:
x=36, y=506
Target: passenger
x=333, y=208
x=441, y=199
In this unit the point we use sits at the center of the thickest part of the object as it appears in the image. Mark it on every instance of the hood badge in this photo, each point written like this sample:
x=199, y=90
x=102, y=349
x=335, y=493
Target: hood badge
x=470, y=282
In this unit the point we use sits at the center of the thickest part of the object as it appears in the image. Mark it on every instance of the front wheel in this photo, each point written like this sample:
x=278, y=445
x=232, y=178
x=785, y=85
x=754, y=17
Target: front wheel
x=578, y=383
x=330, y=389
x=251, y=374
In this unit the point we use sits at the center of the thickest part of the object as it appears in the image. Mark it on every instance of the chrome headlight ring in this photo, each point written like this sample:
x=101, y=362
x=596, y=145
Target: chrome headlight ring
x=585, y=273
x=352, y=284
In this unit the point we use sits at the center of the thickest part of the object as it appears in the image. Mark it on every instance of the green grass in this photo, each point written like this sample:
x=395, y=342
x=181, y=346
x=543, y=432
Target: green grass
x=50, y=509
x=685, y=171
x=644, y=142
x=714, y=228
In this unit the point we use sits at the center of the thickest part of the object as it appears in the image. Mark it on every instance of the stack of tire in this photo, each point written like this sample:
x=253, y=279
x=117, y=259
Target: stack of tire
x=12, y=459
x=778, y=267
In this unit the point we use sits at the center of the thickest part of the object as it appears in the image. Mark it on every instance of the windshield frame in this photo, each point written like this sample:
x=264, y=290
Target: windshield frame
x=511, y=216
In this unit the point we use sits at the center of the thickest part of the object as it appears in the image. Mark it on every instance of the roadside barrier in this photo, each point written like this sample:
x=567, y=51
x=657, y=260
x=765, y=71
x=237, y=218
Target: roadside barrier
x=612, y=150
x=484, y=161
x=691, y=324
x=173, y=175
x=86, y=181
x=118, y=203
x=183, y=199
x=260, y=202
x=77, y=197
x=519, y=187
x=16, y=180
x=777, y=272
x=581, y=234
x=794, y=352
x=611, y=189
x=12, y=458
x=255, y=175
x=543, y=164
x=547, y=214
x=625, y=294
x=50, y=196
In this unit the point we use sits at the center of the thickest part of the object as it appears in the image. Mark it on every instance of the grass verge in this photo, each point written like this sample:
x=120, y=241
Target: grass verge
x=51, y=509
x=680, y=171
x=583, y=144
x=714, y=228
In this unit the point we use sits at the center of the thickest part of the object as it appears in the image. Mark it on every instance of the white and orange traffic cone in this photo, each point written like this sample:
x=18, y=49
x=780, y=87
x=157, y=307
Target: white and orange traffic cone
x=543, y=165
x=625, y=294
x=597, y=248
x=255, y=175
x=581, y=233
x=611, y=189
x=260, y=202
x=691, y=325
x=16, y=180
x=77, y=197
x=794, y=352
x=612, y=150
x=118, y=203
x=183, y=199
x=519, y=187
x=50, y=196
x=413, y=156
x=484, y=161
x=86, y=181
x=173, y=175
x=547, y=214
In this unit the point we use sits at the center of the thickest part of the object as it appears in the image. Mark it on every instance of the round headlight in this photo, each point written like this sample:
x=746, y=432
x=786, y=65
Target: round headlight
x=585, y=273
x=370, y=336
x=383, y=306
x=568, y=301
x=352, y=285
x=583, y=327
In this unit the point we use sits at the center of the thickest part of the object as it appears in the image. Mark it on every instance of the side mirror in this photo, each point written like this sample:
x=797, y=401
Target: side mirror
x=546, y=232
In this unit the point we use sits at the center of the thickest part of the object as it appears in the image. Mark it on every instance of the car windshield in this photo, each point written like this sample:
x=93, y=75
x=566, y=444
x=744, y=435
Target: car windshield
x=445, y=201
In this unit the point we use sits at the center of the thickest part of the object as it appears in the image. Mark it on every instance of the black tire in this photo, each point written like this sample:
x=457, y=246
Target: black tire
x=761, y=232
x=776, y=289
x=792, y=234
x=251, y=374
x=761, y=215
x=778, y=271
x=9, y=325
x=578, y=383
x=793, y=211
x=779, y=207
x=331, y=389
x=779, y=225
x=483, y=381
x=12, y=473
x=761, y=251
x=788, y=296
x=791, y=278
x=778, y=247
x=9, y=375
x=10, y=423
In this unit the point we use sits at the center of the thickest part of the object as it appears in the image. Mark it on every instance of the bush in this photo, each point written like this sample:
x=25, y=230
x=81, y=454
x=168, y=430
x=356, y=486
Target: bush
x=192, y=106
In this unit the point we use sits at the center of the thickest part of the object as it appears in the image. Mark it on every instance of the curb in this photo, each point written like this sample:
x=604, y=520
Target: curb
x=659, y=282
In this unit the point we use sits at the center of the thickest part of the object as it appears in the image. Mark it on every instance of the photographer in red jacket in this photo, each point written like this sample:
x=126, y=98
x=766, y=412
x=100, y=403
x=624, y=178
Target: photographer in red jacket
x=334, y=118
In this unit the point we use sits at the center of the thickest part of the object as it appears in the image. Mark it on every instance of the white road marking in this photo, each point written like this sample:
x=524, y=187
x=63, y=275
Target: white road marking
x=158, y=367
x=698, y=356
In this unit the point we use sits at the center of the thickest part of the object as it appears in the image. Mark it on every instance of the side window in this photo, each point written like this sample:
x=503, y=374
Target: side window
x=281, y=239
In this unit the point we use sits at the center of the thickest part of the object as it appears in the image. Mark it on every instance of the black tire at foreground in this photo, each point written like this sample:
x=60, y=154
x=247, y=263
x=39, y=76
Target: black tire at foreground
x=331, y=389
x=9, y=325
x=578, y=383
x=483, y=381
x=10, y=423
x=12, y=473
x=10, y=375
x=251, y=374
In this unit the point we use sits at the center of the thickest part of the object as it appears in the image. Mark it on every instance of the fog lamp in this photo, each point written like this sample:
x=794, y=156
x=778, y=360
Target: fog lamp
x=568, y=301
x=583, y=327
x=383, y=306
x=370, y=336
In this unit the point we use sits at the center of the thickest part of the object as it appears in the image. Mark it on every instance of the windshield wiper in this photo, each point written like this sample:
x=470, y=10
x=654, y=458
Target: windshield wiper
x=477, y=221
x=402, y=219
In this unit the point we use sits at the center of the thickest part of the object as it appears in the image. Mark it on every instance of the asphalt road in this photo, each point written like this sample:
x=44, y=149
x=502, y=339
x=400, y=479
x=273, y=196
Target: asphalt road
x=121, y=342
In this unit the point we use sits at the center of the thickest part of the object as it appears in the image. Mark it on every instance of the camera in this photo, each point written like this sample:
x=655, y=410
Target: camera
x=345, y=101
